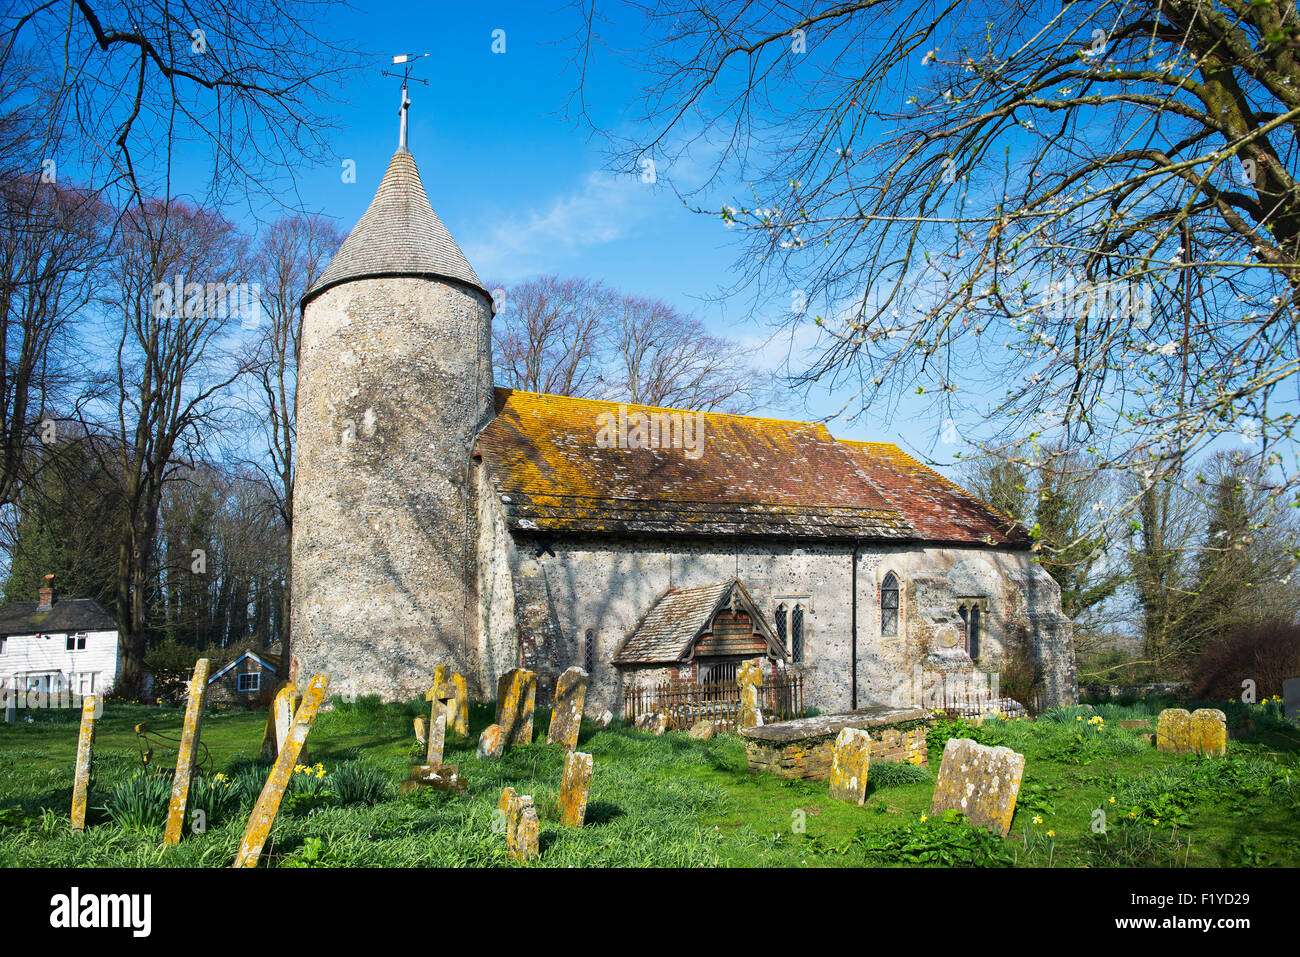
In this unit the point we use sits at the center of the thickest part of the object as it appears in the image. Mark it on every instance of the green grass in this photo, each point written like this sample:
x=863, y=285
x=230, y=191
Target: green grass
x=667, y=801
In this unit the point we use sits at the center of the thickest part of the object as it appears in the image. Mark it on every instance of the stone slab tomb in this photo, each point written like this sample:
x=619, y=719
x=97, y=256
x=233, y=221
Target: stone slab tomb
x=981, y=782
x=804, y=748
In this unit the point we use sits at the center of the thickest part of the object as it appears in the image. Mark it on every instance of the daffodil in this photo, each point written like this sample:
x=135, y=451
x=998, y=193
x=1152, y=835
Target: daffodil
x=1051, y=834
x=1038, y=820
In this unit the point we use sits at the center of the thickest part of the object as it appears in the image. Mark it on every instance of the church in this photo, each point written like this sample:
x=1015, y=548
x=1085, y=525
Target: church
x=441, y=520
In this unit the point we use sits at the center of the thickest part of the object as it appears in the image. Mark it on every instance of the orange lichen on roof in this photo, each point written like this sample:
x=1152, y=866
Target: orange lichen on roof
x=556, y=471
x=939, y=509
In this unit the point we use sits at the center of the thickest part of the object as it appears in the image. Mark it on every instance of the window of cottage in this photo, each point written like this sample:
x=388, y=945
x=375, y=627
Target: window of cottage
x=77, y=641
x=889, y=606
x=250, y=682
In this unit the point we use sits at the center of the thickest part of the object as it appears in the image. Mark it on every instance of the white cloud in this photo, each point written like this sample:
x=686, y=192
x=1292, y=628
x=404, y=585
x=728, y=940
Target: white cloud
x=543, y=240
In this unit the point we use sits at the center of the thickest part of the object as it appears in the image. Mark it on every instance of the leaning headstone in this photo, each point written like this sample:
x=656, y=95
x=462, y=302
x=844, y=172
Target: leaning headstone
x=981, y=782
x=190, y=731
x=523, y=830
x=566, y=716
x=492, y=742
x=850, y=762
x=280, y=719
x=421, y=731
x=85, y=745
x=1291, y=698
x=749, y=677
x=575, y=786
x=1209, y=731
x=516, y=697
x=656, y=724
x=1174, y=730
x=268, y=802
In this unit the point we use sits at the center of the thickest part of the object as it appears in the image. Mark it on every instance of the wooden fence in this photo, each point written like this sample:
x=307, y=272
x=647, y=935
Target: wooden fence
x=685, y=702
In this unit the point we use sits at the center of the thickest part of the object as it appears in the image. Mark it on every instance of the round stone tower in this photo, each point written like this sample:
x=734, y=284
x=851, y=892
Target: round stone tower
x=394, y=381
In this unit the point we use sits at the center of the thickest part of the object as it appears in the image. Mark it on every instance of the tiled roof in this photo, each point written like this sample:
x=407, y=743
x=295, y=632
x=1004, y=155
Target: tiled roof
x=940, y=510
x=66, y=614
x=398, y=235
x=754, y=477
x=672, y=624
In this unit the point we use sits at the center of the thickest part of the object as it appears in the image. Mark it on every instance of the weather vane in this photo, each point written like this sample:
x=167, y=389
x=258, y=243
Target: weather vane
x=406, y=61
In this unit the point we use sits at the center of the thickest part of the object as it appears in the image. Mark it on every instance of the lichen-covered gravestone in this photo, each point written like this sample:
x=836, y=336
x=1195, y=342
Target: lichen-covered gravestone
x=850, y=762
x=85, y=746
x=1291, y=698
x=1174, y=730
x=492, y=742
x=516, y=697
x=1209, y=731
x=981, y=782
x=437, y=736
x=749, y=676
x=190, y=731
x=575, y=786
x=268, y=802
x=566, y=717
x=279, y=719
x=523, y=830
x=456, y=698
x=421, y=731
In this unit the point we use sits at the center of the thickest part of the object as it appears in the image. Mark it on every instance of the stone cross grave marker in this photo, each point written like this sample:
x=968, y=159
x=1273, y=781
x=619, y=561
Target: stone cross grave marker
x=850, y=762
x=437, y=736
x=516, y=697
x=981, y=782
x=575, y=787
x=749, y=676
x=279, y=719
x=455, y=701
x=85, y=746
x=1291, y=698
x=190, y=732
x=492, y=742
x=566, y=717
x=268, y=802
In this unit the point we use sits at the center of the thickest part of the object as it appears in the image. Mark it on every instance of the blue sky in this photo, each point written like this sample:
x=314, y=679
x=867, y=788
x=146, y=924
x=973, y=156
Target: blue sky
x=523, y=189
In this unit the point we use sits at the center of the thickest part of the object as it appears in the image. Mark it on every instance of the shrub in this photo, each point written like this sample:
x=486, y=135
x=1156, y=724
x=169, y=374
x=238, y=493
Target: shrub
x=356, y=783
x=889, y=774
x=1267, y=654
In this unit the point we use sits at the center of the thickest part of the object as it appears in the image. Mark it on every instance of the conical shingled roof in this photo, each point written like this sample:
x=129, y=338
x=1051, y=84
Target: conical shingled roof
x=399, y=235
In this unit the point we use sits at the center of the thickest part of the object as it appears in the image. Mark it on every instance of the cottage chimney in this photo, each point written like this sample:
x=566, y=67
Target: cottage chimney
x=47, y=593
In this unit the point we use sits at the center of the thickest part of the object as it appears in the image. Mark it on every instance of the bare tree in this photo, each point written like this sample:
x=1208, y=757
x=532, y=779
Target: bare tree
x=175, y=268
x=1080, y=217
x=243, y=78
x=550, y=333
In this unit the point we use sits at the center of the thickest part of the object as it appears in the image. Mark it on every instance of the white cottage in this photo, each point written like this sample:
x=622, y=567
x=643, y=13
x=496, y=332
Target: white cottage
x=58, y=645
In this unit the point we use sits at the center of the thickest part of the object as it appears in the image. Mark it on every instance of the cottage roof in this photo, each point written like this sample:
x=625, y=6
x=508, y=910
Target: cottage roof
x=267, y=661
x=753, y=477
x=66, y=614
x=398, y=235
x=670, y=628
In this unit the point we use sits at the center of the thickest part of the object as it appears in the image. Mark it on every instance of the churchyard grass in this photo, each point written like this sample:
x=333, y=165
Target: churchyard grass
x=665, y=801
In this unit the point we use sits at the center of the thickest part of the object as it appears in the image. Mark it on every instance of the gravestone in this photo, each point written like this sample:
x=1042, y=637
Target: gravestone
x=749, y=676
x=85, y=746
x=280, y=719
x=606, y=719
x=440, y=777
x=523, y=830
x=850, y=762
x=437, y=736
x=566, y=717
x=575, y=787
x=1209, y=731
x=421, y=731
x=268, y=802
x=190, y=731
x=507, y=798
x=455, y=699
x=981, y=782
x=492, y=742
x=1291, y=698
x=516, y=697
x=1174, y=730
x=655, y=723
